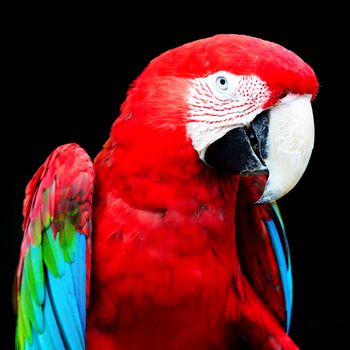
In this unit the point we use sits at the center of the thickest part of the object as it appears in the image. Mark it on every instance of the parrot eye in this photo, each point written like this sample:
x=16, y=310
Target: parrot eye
x=283, y=94
x=222, y=83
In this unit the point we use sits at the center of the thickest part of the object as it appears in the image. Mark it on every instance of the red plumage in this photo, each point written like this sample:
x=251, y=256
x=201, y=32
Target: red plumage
x=166, y=273
x=279, y=67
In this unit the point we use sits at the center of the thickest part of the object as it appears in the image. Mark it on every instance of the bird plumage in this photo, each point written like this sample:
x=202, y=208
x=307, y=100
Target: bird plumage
x=182, y=256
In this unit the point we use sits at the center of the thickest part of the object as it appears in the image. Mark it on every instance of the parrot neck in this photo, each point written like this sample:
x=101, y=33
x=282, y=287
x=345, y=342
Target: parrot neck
x=159, y=185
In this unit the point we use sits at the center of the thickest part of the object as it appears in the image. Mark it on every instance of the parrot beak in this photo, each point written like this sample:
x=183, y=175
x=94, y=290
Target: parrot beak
x=278, y=142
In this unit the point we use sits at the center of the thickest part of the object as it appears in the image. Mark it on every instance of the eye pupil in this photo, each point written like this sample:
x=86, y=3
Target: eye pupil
x=222, y=83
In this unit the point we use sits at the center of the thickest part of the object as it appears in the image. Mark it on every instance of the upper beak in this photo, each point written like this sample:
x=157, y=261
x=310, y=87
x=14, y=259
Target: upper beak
x=279, y=142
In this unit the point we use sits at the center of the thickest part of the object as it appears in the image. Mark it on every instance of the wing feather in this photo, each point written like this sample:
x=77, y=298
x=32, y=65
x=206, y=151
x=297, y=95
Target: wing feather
x=53, y=271
x=263, y=249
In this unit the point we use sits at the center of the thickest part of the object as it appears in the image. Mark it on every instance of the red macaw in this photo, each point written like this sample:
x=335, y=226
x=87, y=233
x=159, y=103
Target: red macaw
x=184, y=250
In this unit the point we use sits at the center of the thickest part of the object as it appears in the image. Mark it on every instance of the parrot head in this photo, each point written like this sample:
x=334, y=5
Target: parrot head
x=241, y=104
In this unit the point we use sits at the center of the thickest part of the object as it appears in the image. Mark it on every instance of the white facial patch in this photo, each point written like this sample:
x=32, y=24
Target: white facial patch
x=221, y=102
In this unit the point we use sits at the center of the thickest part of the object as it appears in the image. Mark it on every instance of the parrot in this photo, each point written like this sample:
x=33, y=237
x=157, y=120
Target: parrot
x=172, y=237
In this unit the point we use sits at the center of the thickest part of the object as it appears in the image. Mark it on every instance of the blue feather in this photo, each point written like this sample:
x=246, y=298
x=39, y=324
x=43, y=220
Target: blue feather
x=51, y=337
x=61, y=290
x=78, y=269
x=283, y=265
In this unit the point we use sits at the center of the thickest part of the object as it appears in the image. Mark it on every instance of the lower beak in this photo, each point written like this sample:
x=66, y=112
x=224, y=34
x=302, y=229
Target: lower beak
x=278, y=142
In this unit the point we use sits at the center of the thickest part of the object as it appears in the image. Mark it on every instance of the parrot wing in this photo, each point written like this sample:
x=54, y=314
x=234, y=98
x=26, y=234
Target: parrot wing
x=54, y=266
x=263, y=249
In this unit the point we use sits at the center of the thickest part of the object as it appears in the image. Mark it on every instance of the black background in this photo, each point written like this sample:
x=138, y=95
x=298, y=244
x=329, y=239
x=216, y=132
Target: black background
x=66, y=74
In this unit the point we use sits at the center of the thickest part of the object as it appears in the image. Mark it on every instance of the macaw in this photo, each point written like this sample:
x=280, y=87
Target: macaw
x=172, y=238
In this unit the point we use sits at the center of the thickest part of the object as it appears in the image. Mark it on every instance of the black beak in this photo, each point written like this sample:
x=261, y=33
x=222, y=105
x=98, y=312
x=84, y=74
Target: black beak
x=242, y=150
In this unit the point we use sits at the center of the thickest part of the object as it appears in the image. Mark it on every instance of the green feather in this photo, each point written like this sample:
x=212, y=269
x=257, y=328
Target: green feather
x=72, y=248
x=26, y=331
x=19, y=336
x=46, y=216
x=19, y=330
x=35, y=274
x=32, y=310
x=52, y=253
x=27, y=306
x=36, y=229
x=74, y=214
x=68, y=240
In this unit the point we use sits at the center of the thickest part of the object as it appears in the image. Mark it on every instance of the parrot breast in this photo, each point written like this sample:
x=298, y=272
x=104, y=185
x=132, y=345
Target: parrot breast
x=162, y=267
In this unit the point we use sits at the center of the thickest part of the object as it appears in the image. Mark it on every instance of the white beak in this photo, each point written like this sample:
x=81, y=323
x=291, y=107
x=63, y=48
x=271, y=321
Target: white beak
x=289, y=145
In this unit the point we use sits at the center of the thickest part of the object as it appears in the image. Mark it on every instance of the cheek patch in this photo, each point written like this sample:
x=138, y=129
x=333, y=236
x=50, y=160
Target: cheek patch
x=213, y=111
